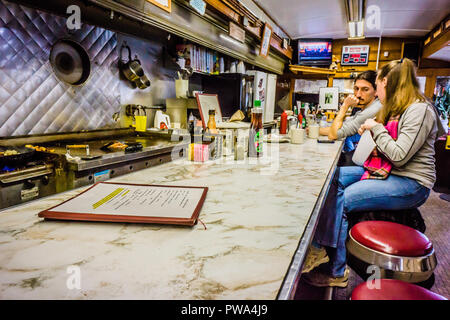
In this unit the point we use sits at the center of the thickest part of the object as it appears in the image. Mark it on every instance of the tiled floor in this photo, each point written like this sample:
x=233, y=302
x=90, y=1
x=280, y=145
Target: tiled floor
x=436, y=213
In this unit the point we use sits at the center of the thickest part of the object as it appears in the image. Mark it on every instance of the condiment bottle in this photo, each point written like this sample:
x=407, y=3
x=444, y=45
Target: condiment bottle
x=255, y=139
x=283, y=123
x=191, y=126
x=303, y=123
x=212, y=121
x=198, y=132
x=447, y=143
x=300, y=121
x=319, y=113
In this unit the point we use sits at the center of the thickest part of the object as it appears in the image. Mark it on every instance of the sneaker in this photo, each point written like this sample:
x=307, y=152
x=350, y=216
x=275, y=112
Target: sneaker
x=319, y=279
x=315, y=258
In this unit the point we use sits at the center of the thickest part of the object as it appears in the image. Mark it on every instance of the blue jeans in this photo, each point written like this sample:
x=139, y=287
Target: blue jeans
x=349, y=194
x=351, y=142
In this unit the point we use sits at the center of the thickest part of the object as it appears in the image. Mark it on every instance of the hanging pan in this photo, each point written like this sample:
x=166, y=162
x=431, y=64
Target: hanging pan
x=131, y=69
x=70, y=62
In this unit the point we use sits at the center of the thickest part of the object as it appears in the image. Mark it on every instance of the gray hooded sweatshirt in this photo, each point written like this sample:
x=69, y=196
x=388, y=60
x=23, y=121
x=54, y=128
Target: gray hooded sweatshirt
x=353, y=123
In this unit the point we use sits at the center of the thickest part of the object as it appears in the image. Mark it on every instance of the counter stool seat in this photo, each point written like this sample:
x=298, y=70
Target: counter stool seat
x=399, y=251
x=391, y=289
x=392, y=238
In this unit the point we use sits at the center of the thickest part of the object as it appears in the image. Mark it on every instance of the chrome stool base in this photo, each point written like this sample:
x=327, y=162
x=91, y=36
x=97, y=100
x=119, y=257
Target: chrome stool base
x=410, y=269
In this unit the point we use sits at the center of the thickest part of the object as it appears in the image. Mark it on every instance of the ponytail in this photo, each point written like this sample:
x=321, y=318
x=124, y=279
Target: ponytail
x=402, y=88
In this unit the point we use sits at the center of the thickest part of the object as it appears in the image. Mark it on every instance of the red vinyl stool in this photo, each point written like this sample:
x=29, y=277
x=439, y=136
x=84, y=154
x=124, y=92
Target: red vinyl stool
x=399, y=251
x=390, y=289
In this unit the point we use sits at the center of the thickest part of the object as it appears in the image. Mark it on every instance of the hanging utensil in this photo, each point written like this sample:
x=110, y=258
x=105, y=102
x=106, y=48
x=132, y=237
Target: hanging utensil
x=70, y=62
x=131, y=69
x=185, y=73
x=143, y=82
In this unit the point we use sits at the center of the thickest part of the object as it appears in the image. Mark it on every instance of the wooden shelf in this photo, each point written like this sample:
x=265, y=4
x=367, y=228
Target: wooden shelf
x=311, y=70
x=236, y=12
x=345, y=74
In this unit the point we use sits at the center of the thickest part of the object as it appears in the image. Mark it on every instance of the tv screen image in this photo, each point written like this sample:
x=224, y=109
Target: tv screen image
x=314, y=52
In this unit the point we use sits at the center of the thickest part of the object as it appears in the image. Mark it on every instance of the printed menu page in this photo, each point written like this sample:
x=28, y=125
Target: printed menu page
x=134, y=200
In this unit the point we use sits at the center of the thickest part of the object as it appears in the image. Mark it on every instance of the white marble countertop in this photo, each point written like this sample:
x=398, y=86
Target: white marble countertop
x=255, y=214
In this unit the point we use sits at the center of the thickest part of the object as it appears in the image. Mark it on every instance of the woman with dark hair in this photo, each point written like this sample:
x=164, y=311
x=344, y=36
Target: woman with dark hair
x=398, y=175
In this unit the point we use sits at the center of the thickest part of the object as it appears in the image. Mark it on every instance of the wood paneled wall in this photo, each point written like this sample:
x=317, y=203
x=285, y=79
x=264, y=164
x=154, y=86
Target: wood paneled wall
x=391, y=45
x=394, y=46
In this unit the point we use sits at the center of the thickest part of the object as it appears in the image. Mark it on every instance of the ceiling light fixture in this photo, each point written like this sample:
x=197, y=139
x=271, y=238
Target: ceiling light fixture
x=355, y=18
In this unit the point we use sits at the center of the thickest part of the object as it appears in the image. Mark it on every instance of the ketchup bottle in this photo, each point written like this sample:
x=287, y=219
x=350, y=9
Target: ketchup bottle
x=255, y=139
x=300, y=120
x=283, y=123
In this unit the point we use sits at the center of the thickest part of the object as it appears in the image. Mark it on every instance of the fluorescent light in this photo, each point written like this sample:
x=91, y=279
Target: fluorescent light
x=355, y=10
x=360, y=28
x=356, y=29
x=352, y=29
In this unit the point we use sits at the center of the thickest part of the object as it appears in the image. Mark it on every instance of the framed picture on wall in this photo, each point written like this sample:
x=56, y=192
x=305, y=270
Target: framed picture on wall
x=329, y=98
x=265, y=41
x=163, y=4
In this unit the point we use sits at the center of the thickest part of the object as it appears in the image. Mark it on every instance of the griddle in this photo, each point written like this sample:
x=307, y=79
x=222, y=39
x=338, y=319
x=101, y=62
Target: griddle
x=24, y=154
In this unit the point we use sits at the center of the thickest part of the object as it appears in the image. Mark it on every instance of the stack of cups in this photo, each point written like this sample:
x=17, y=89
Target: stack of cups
x=314, y=131
x=297, y=135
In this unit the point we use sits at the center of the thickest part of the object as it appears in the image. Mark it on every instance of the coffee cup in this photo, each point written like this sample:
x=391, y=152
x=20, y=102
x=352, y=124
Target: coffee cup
x=313, y=131
x=181, y=88
x=297, y=135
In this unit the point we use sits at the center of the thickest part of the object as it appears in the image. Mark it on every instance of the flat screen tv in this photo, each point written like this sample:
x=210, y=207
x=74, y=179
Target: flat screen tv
x=314, y=52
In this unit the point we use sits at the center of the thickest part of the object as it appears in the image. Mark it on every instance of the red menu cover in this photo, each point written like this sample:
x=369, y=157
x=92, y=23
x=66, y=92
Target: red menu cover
x=134, y=203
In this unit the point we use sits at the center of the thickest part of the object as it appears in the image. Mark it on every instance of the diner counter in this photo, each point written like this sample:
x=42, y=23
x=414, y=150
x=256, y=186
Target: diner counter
x=259, y=217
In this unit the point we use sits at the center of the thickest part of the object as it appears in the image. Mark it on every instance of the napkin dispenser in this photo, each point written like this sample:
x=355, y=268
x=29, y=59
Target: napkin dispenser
x=162, y=121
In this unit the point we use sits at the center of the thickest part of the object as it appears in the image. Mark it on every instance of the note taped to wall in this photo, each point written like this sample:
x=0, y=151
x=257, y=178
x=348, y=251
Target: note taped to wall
x=163, y=4
x=108, y=201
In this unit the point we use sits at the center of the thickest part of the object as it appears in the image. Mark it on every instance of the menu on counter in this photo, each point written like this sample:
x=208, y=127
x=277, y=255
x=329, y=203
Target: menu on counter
x=135, y=203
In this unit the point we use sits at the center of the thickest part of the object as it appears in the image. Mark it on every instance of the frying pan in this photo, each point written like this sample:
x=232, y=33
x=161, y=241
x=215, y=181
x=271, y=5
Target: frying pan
x=70, y=62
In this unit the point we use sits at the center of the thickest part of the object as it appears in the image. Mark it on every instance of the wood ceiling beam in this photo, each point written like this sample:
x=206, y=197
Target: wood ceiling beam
x=437, y=39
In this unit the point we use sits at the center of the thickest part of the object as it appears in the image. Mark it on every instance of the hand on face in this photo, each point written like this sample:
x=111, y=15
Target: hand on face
x=367, y=125
x=351, y=101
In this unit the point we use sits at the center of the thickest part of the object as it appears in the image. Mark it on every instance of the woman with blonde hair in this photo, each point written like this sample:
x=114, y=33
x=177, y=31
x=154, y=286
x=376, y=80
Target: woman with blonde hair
x=397, y=175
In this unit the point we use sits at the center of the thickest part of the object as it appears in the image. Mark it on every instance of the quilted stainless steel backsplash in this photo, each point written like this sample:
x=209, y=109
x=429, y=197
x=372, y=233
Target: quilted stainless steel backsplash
x=32, y=99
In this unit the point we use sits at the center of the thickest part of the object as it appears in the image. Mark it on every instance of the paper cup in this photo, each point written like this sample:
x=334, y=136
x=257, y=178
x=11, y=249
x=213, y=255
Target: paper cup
x=181, y=88
x=297, y=136
x=314, y=131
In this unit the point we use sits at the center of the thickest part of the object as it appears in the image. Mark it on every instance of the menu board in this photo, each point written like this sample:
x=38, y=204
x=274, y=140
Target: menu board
x=265, y=41
x=120, y=202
